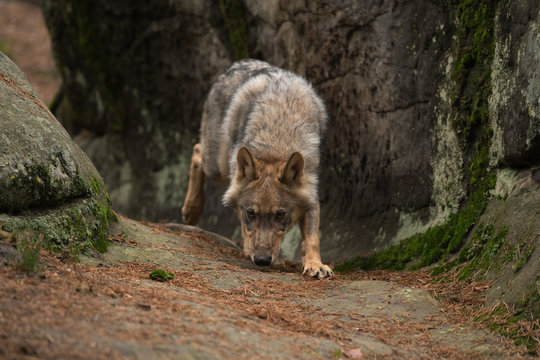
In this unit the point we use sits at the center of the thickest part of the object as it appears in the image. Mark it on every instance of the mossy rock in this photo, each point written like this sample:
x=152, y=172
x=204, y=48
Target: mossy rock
x=515, y=272
x=48, y=185
x=40, y=165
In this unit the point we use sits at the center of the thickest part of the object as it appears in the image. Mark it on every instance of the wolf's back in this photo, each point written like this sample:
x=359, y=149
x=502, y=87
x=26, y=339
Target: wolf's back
x=271, y=111
x=214, y=111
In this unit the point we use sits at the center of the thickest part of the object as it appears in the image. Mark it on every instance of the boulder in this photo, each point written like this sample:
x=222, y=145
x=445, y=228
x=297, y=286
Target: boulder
x=47, y=183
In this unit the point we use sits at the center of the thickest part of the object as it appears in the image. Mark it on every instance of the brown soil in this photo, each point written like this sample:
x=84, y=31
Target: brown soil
x=220, y=305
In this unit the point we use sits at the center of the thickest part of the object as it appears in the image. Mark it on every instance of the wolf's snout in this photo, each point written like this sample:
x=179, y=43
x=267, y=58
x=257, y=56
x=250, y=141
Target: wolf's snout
x=262, y=260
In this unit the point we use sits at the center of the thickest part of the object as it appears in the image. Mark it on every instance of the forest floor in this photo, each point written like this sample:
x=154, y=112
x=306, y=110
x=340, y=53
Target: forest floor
x=221, y=306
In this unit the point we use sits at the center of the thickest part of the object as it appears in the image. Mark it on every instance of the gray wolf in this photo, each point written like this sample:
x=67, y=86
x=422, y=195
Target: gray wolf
x=261, y=130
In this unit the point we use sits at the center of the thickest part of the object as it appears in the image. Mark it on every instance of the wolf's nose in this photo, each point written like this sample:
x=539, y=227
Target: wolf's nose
x=262, y=260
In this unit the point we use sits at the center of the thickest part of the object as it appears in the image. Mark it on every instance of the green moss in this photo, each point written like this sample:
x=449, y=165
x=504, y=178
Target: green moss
x=35, y=186
x=161, y=275
x=471, y=72
x=433, y=245
x=524, y=258
x=96, y=186
x=36, y=183
x=74, y=226
x=103, y=214
x=533, y=301
x=479, y=165
x=234, y=15
x=486, y=251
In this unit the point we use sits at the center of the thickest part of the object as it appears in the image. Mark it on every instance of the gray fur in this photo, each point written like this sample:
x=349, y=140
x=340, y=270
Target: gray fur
x=273, y=112
x=261, y=130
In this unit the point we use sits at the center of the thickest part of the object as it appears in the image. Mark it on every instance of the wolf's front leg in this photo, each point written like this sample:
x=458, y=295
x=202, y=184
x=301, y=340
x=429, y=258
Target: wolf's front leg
x=194, y=201
x=311, y=256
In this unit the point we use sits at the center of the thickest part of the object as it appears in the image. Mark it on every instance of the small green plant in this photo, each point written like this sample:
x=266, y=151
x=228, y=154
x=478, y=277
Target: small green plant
x=28, y=248
x=524, y=258
x=95, y=185
x=161, y=275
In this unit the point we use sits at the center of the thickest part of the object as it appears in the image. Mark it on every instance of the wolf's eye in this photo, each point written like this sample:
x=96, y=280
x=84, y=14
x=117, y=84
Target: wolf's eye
x=280, y=214
x=250, y=213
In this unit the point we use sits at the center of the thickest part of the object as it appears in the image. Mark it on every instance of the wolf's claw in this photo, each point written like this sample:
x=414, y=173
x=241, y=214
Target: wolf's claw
x=317, y=270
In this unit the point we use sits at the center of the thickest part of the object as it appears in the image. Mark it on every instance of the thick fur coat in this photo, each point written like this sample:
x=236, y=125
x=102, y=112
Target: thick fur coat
x=261, y=131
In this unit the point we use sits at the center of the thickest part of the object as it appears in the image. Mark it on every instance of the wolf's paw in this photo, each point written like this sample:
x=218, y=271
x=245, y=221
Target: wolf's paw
x=317, y=269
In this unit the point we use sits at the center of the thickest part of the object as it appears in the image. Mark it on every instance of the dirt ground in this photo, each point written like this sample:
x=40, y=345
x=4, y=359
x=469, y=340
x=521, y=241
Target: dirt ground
x=222, y=306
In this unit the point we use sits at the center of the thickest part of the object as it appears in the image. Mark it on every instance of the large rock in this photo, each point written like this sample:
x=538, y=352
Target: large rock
x=47, y=183
x=39, y=163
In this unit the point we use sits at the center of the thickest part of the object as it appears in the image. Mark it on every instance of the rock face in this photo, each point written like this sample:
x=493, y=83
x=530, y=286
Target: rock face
x=136, y=75
x=42, y=170
x=515, y=268
x=515, y=103
x=426, y=99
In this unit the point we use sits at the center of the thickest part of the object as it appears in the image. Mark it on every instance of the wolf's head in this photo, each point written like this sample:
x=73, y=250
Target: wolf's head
x=269, y=198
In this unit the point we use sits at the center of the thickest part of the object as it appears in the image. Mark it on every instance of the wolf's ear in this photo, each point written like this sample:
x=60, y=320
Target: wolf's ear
x=245, y=166
x=293, y=170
